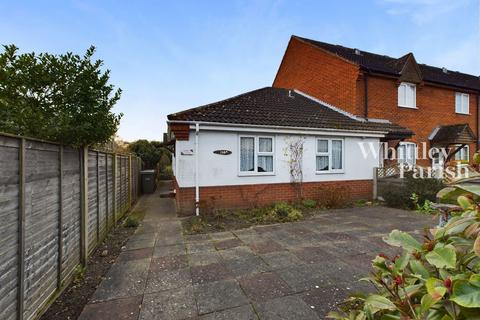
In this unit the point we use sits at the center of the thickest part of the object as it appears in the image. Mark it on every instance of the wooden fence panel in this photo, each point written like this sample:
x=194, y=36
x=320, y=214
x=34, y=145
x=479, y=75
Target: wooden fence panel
x=41, y=224
x=9, y=214
x=41, y=212
x=92, y=221
x=71, y=212
x=102, y=190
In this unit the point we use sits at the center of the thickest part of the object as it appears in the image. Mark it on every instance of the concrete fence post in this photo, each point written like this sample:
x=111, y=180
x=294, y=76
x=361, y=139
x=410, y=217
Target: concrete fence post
x=114, y=164
x=60, y=216
x=84, y=215
x=375, y=183
x=21, y=231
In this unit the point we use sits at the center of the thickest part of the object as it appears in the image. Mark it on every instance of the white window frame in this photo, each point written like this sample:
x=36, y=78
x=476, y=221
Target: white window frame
x=405, y=144
x=256, y=154
x=406, y=85
x=329, y=154
x=463, y=108
x=458, y=155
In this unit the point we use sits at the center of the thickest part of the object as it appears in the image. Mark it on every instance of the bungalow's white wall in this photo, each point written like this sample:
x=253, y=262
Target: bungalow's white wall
x=218, y=170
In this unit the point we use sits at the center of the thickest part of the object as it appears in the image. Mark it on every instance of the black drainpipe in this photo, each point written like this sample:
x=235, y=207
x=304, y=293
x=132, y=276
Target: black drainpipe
x=365, y=82
x=478, y=128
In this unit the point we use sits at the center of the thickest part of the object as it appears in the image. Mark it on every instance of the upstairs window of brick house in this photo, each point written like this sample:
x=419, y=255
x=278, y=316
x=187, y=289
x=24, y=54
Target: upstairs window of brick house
x=256, y=155
x=407, y=95
x=462, y=103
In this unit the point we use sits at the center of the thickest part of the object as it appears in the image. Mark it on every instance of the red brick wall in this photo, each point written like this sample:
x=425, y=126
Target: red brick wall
x=319, y=74
x=436, y=106
x=242, y=196
x=340, y=83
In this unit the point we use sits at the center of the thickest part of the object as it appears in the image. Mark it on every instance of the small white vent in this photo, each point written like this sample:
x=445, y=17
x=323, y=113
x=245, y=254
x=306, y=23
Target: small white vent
x=290, y=94
x=358, y=52
x=444, y=70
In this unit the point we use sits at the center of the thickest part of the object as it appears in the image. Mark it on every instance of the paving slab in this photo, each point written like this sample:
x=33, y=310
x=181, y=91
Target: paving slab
x=119, y=309
x=136, y=254
x=285, y=308
x=200, y=246
x=172, y=304
x=281, y=260
x=204, y=258
x=124, y=279
x=210, y=273
x=264, y=286
x=167, y=279
x=239, y=313
x=220, y=295
x=228, y=244
x=169, y=263
x=168, y=250
x=245, y=266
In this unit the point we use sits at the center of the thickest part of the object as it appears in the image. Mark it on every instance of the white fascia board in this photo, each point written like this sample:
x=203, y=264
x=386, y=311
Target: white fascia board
x=214, y=126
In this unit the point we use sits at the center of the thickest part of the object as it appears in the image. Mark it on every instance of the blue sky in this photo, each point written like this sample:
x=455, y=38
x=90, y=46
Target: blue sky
x=171, y=55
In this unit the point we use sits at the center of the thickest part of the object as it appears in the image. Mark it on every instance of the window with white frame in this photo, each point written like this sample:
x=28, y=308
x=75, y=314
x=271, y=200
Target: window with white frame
x=407, y=95
x=407, y=153
x=329, y=155
x=256, y=155
x=462, y=103
x=462, y=154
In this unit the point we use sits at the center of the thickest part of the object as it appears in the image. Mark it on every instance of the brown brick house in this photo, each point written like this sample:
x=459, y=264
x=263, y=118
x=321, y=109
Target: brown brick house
x=416, y=96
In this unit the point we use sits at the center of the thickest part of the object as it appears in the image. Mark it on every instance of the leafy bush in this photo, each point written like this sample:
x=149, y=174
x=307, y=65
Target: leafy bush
x=423, y=208
x=309, y=203
x=66, y=98
x=283, y=212
x=334, y=197
x=131, y=222
x=399, y=196
x=434, y=279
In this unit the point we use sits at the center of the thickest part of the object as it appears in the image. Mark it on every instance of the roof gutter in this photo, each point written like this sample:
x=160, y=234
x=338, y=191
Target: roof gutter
x=232, y=126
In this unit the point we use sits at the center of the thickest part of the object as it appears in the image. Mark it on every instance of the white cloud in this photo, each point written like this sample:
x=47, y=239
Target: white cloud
x=422, y=11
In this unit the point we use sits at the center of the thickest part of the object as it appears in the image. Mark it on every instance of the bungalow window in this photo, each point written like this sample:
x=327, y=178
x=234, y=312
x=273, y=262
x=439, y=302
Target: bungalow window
x=329, y=155
x=462, y=103
x=256, y=155
x=462, y=154
x=407, y=153
x=407, y=95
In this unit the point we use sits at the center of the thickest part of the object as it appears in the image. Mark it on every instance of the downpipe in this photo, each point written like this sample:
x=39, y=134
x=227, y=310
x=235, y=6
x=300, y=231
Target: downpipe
x=197, y=187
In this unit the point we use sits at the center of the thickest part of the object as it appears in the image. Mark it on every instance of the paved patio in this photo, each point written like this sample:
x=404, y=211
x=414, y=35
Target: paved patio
x=286, y=271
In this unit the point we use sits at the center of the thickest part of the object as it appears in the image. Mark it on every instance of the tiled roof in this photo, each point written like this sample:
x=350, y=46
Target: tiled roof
x=455, y=133
x=393, y=66
x=285, y=108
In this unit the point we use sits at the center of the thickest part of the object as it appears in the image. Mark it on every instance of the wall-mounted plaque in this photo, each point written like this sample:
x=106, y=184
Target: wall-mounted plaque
x=223, y=152
x=187, y=152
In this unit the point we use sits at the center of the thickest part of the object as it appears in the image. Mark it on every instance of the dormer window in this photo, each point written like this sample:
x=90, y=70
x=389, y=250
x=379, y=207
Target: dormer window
x=407, y=95
x=462, y=103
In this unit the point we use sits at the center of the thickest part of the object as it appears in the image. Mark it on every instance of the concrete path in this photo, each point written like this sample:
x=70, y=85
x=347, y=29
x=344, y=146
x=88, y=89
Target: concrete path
x=286, y=271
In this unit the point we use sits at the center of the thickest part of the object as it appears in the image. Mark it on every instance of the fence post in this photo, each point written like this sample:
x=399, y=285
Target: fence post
x=114, y=164
x=60, y=216
x=375, y=183
x=84, y=216
x=21, y=231
x=129, y=181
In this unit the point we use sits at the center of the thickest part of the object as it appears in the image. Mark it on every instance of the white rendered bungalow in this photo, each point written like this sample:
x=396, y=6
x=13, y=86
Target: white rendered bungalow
x=270, y=145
